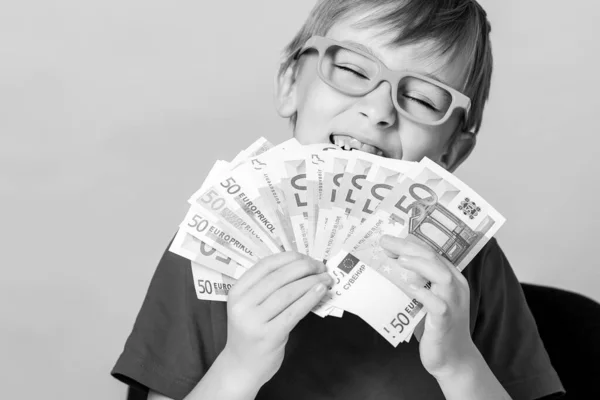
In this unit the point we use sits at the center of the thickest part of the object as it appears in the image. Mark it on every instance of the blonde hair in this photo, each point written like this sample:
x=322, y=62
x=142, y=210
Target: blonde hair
x=457, y=27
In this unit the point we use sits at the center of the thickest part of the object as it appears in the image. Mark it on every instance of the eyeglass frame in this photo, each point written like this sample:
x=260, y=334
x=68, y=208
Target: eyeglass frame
x=385, y=74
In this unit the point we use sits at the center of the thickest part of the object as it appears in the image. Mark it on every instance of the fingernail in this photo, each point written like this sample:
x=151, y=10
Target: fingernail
x=326, y=278
x=321, y=267
x=384, y=238
x=319, y=288
x=331, y=280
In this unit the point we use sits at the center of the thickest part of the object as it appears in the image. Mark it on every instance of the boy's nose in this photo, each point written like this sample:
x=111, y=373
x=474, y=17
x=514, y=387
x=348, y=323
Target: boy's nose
x=378, y=106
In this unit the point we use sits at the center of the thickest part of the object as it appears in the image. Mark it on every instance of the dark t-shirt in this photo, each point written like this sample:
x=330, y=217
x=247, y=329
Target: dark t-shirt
x=177, y=337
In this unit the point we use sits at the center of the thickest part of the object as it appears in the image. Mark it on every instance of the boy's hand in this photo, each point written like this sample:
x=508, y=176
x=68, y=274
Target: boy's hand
x=445, y=345
x=264, y=306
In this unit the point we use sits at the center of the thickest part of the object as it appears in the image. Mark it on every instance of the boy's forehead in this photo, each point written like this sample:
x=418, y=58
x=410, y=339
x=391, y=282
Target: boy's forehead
x=420, y=57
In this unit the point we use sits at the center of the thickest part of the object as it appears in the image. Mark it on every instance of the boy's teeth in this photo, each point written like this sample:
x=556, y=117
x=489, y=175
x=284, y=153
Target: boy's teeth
x=347, y=143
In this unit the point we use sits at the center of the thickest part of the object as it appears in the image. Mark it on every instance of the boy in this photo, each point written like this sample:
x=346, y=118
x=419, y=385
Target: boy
x=479, y=340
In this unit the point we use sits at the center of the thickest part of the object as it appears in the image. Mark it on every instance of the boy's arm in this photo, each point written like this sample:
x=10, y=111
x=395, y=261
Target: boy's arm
x=221, y=381
x=475, y=381
x=157, y=396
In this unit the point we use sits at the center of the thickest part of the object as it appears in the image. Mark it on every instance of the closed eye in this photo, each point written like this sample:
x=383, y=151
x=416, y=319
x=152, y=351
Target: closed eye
x=421, y=102
x=344, y=68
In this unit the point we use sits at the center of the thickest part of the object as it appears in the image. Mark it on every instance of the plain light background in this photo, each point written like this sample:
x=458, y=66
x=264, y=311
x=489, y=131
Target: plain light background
x=111, y=113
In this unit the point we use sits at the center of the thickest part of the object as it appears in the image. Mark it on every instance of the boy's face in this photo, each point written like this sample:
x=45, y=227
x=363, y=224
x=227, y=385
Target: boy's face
x=323, y=112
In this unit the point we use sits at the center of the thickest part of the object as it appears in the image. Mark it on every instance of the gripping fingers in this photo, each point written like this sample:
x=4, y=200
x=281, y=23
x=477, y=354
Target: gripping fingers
x=399, y=246
x=281, y=299
x=289, y=317
x=281, y=277
x=432, y=270
x=263, y=268
x=432, y=303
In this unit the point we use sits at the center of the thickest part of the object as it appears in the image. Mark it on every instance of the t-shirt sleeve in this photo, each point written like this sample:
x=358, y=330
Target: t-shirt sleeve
x=175, y=337
x=504, y=329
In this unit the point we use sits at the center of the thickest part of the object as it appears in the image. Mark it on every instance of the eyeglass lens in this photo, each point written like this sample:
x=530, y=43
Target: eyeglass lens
x=355, y=74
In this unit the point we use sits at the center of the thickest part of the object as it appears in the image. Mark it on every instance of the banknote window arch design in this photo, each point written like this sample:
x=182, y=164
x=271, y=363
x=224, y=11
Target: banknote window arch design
x=442, y=230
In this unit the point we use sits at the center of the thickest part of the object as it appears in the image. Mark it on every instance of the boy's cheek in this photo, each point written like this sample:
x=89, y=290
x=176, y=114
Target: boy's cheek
x=313, y=123
x=418, y=143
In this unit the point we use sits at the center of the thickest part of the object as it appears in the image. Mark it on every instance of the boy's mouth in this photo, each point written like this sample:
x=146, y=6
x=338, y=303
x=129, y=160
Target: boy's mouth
x=349, y=143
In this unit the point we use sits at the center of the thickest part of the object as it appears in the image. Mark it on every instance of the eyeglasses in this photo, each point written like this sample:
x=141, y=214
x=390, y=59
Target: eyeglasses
x=356, y=73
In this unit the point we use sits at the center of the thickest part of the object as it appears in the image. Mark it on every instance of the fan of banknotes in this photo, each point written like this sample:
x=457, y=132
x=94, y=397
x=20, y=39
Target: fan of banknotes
x=333, y=205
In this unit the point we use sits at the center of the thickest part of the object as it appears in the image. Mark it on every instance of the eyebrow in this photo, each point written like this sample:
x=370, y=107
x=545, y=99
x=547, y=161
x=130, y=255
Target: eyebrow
x=370, y=51
x=361, y=47
x=437, y=78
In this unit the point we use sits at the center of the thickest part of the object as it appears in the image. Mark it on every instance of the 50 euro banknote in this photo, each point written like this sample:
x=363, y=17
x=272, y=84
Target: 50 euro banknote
x=266, y=173
x=231, y=195
x=378, y=183
x=333, y=172
x=431, y=206
x=210, y=284
x=234, y=195
x=360, y=290
x=193, y=249
x=315, y=178
x=229, y=235
x=294, y=187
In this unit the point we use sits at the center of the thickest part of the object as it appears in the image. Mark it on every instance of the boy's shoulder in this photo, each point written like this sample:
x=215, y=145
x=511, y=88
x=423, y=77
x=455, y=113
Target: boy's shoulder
x=175, y=337
x=489, y=266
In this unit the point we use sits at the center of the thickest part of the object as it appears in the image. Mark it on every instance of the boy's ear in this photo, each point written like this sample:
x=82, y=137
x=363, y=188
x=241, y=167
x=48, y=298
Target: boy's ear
x=458, y=150
x=285, y=91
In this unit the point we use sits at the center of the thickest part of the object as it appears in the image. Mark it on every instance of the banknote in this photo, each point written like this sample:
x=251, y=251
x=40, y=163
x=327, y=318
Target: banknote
x=238, y=158
x=359, y=166
x=295, y=190
x=333, y=205
x=314, y=188
x=315, y=173
x=267, y=171
x=235, y=195
x=379, y=182
x=334, y=168
x=432, y=206
x=209, y=284
x=192, y=248
x=294, y=204
x=218, y=168
x=214, y=286
x=257, y=208
x=262, y=147
x=364, y=292
x=218, y=234
x=259, y=146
